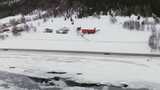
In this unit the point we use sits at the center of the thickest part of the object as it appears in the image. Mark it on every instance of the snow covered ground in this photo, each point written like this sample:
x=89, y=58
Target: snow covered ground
x=137, y=72
x=110, y=38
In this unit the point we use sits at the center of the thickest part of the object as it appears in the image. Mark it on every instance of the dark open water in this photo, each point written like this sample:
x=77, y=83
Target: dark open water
x=34, y=83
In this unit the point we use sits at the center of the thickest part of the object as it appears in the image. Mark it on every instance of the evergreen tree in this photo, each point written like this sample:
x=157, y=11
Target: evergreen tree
x=84, y=7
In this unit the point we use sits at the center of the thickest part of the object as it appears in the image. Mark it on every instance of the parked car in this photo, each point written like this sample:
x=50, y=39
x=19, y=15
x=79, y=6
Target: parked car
x=16, y=31
x=62, y=31
x=4, y=30
x=48, y=30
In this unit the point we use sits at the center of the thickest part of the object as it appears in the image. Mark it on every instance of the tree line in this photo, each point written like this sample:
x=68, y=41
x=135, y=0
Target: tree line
x=83, y=7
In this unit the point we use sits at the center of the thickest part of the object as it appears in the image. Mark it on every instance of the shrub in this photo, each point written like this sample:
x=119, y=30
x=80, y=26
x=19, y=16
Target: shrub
x=132, y=25
x=13, y=22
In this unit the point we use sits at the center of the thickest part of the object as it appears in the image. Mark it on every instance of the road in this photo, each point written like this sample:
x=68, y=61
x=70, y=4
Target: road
x=82, y=52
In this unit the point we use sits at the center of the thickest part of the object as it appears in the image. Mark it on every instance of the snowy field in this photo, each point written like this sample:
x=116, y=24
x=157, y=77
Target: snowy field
x=110, y=38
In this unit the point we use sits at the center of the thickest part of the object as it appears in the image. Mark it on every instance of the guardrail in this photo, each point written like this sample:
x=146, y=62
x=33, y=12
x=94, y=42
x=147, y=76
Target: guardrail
x=85, y=52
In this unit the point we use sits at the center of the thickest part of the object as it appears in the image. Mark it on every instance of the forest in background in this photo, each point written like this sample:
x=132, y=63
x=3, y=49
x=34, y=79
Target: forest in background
x=82, y=7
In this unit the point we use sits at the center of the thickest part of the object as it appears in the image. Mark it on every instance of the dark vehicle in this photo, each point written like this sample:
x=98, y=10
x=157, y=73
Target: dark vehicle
x=4, y=30
x=48, y=30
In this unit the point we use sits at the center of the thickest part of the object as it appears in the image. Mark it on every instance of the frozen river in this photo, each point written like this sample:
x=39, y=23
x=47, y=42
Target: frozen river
x=32, y=70
x=10, y=81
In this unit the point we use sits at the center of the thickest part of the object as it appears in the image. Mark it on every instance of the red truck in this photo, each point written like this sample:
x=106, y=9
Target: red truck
x=87, y=31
